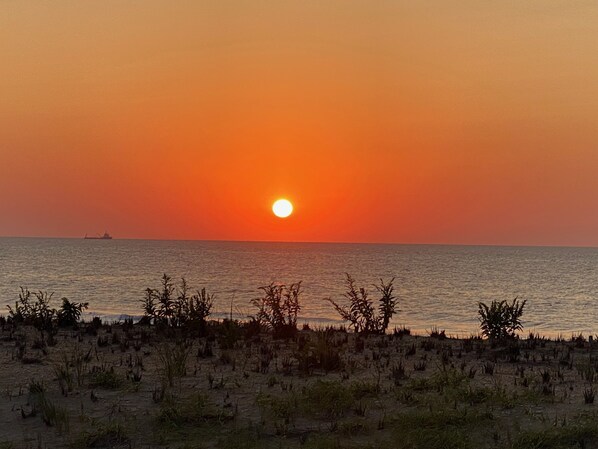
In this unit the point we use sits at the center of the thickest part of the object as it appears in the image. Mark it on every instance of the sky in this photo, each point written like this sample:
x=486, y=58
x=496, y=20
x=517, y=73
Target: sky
x=454, y=122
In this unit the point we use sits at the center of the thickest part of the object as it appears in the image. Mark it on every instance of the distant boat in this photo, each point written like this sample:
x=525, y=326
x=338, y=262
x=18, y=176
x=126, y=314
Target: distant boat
x=106, y=236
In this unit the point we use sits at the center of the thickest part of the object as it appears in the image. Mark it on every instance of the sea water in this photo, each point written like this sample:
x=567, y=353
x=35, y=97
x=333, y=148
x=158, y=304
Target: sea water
x=437, y=286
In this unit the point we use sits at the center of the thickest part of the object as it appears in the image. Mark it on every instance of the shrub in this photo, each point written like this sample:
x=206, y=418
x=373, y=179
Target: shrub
x=150, y=309
x=173, y=306
x=228, y=333
x=361, y=312
x=34, y=312
x=165, y=300
x=197, y=308
x=70, y=312
x=180, y=305
x=501, y=320
x=33, y=308
x=278, y=308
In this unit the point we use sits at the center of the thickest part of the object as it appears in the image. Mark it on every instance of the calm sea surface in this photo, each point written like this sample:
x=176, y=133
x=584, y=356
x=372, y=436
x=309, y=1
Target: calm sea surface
x=437, y=285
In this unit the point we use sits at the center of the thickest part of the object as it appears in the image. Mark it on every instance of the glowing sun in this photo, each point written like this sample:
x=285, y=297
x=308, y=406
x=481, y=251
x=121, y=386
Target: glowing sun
x=282, y=208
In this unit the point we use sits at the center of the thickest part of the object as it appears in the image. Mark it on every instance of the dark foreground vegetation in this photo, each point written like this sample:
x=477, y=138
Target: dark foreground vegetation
x=177, y=379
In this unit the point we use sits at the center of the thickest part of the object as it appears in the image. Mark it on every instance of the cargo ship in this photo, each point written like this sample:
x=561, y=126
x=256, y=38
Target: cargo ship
x=106, y=236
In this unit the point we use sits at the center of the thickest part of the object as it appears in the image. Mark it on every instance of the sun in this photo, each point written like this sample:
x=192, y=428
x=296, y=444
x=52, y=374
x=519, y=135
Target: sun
x=282, y=208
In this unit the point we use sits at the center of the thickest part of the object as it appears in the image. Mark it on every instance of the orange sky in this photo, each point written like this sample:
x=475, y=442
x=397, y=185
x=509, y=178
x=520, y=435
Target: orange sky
x=390, y=121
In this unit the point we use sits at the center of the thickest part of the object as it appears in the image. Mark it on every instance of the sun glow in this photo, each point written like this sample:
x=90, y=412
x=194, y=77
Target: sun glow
x=282, y=208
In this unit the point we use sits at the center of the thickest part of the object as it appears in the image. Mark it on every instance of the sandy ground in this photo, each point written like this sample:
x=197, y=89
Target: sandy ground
x=111, y=387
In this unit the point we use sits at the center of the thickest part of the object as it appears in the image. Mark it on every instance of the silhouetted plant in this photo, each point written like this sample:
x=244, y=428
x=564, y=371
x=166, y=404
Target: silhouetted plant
x=278, y=308
x=196, y=309
x=501, y=320
x=165, y=299
x=96, y=322
x=180, y=305
x=30, y=311
x=150, y=310
x=70, y=312
x=401, y=331
x=228, y=333
x=160, y=306
x=361, y=312
x=438, y=334
x=387, y=304
x=327, y=354
x=33, y=308
x=35, y=312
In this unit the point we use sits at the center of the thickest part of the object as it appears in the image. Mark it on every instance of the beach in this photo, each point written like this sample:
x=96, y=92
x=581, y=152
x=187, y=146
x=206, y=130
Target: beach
x=131, y=386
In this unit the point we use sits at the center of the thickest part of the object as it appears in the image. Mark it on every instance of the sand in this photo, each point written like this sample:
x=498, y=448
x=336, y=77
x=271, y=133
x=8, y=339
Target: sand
x=111, y=387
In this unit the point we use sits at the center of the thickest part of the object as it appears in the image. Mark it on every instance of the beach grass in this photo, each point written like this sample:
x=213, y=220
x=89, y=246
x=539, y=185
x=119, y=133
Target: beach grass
x=127, y=385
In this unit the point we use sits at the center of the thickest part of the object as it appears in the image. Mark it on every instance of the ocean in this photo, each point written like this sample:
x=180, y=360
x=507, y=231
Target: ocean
x=437, y=286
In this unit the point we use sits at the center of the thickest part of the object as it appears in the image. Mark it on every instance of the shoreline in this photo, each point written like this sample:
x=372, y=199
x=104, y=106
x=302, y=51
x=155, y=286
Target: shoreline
x=318, y=323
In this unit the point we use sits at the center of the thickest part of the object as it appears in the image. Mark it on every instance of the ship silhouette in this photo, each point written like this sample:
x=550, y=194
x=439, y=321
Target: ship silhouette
x=106, y=236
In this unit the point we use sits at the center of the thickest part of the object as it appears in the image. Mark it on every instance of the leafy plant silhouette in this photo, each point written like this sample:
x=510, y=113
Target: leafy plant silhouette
x=501, y=320
x=70, y=312
x=173, y=306
x=33, y=308
x=278, y=308
x=361, y=312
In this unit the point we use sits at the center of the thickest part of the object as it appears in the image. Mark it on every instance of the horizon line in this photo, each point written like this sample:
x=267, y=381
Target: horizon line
x=312, y=242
